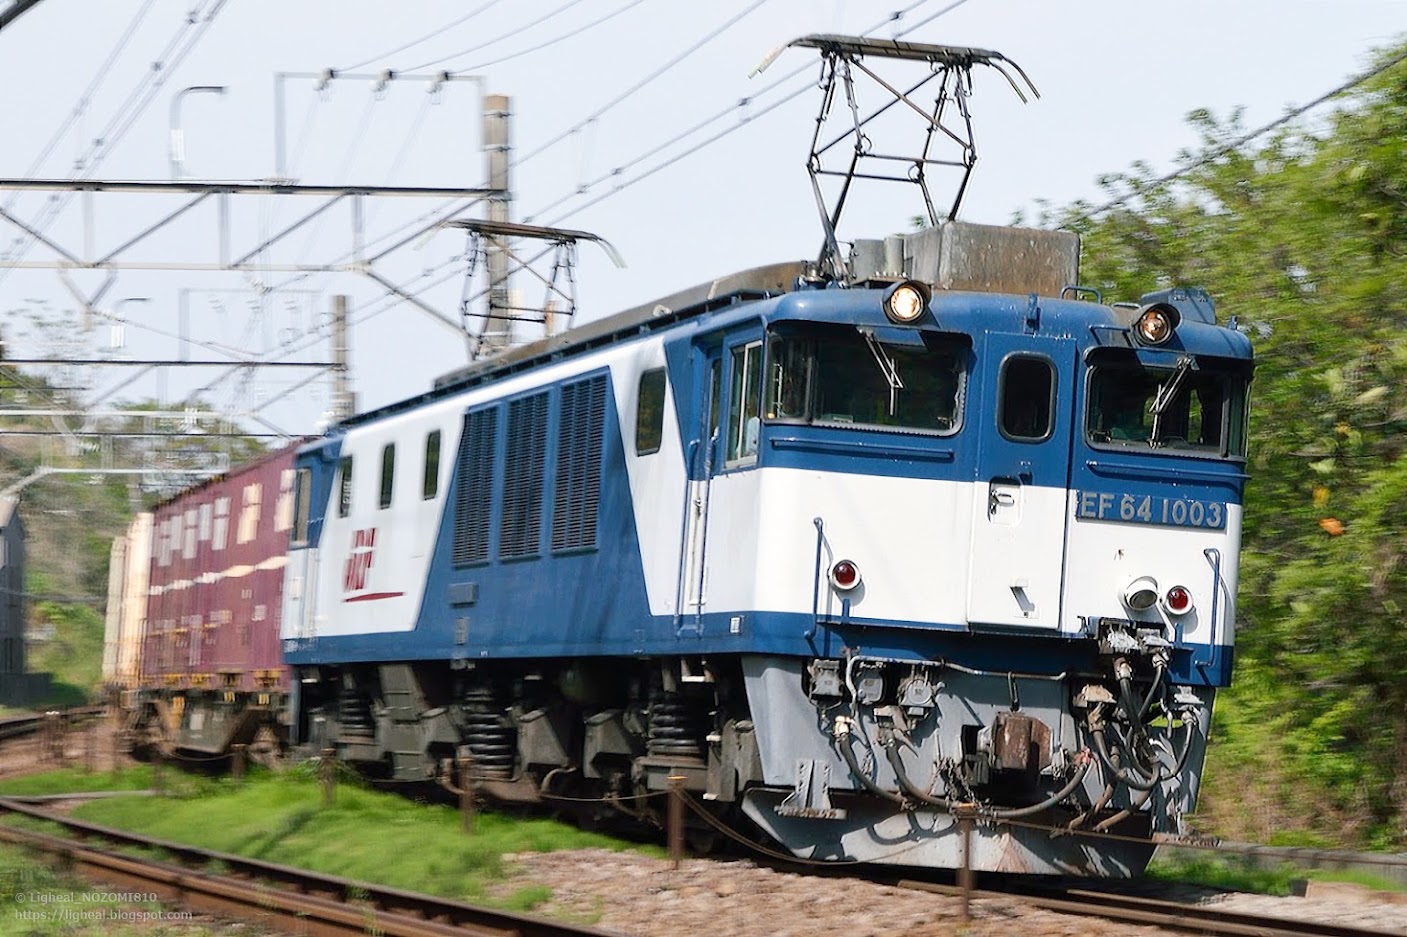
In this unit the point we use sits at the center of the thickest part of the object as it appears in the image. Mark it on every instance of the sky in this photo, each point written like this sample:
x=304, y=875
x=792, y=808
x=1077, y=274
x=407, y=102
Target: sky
x=598, y=89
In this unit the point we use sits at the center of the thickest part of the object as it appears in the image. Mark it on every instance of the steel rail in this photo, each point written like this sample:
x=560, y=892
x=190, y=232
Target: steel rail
x=242, y=899
x=1161, y=913
x=281, y=883
x=29, y=724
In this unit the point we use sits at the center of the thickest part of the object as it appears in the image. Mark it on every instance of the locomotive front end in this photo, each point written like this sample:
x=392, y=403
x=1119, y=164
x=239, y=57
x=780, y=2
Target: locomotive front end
x=1025, y=521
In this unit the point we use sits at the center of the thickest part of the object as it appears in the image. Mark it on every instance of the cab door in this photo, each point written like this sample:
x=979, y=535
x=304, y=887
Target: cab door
x=721, y=506
x=701, y=462
x=299, y=618
x=1019, y=509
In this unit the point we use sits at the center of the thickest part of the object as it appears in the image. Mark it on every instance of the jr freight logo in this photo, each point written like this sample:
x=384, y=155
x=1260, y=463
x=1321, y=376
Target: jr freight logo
x=358, y=568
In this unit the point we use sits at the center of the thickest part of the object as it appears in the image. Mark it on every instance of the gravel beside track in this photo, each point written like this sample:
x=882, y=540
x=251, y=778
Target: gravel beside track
x=638, y=895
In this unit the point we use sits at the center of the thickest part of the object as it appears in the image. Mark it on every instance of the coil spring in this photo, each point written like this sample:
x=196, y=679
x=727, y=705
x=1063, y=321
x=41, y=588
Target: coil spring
x=676, y=728
x=354, y=715
x=489, y=735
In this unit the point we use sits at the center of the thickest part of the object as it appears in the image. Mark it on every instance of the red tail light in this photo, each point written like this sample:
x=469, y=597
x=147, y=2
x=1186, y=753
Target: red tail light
x=845, y=575
x=1178, y=600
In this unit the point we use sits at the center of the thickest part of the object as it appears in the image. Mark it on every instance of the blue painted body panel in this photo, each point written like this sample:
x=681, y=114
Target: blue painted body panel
x=594, y=602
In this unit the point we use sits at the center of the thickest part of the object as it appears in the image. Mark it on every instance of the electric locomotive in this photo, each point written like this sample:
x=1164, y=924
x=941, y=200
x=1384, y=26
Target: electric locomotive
x=861, y=549
x=853, y=560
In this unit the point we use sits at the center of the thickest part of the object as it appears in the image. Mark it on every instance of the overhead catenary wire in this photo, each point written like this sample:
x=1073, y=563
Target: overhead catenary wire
x=660, y=167
x=15, y=10
x=437, y=216
x=893, y=17
x=601, y=21
x=433, y=34
x=181, y=45
x=305, y=133
x=616, y=172
x=625, y=95
x=916, y=25
x=1230, y=146
x=499, y=38
x=658, y=72
x=85, y=98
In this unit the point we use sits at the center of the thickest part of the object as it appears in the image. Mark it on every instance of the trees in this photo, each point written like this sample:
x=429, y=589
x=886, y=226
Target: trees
x=1303, y=236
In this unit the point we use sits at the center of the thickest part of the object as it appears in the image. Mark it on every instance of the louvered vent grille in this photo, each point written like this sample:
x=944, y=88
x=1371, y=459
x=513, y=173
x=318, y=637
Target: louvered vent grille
x=473, y=495
x=520, y=530
x=579, y=464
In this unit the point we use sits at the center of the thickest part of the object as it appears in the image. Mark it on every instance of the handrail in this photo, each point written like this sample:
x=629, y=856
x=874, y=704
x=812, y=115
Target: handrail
x=1214, y=555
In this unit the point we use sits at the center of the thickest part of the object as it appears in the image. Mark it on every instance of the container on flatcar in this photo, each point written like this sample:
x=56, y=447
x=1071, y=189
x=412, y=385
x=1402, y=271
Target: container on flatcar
x=212, y=673
x=129, y=568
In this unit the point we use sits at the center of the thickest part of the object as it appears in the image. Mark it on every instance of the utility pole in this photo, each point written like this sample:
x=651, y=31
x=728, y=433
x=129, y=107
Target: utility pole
x=497, y=326
x=344, y=402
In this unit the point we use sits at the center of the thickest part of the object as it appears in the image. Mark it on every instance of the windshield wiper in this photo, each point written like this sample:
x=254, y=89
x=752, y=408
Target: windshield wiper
x=1167, y=391
x=887, y=366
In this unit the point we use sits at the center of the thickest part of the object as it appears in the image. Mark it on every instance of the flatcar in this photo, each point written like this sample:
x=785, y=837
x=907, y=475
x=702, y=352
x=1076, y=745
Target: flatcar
x=196, y=632
x=854, y=560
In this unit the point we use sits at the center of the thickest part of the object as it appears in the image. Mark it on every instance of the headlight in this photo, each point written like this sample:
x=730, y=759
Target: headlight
x=1141, y=594
x=1156, y=324
x=906, y=301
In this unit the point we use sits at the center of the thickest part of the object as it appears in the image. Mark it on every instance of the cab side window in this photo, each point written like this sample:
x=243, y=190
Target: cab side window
x=744, y=393
x=649, y=413
x=302, y=505
x=1027, y=404
x=388, y=474
x=430, y=484
x=344, y=486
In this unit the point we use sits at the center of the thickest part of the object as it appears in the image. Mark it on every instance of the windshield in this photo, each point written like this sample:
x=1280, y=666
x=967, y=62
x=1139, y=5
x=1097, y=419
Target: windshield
x=1193, y=404
x=839, y=375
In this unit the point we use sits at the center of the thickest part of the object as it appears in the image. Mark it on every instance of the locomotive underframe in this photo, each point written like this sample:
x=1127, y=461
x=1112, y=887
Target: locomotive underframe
x=895, y=752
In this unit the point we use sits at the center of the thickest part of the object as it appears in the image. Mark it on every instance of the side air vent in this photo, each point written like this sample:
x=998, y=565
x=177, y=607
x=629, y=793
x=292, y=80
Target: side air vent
x=578, y=488
x=520, y=530
x=473, y=496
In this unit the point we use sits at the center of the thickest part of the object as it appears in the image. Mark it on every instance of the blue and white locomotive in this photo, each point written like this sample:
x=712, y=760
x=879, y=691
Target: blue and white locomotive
x=865, y=550
x=853, y=559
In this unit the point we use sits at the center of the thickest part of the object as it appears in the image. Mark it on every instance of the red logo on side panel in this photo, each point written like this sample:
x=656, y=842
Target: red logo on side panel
x=359, y=560
x=358, y=567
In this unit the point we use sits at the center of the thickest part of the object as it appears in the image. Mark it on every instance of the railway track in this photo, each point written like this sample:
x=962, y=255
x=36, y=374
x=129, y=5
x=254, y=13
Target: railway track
x=323, y=904
x=31, y=723
x=273, y=895
x=1175, y=915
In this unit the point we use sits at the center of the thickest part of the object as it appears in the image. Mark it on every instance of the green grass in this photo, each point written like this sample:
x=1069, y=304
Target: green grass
x=1236, y=873
x=76, y=780
x=366, y=834
x=1226, y=873
x=36, y=901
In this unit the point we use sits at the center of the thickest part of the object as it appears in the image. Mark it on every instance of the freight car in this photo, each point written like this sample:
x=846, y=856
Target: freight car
x=129, y=571
x=193, y=616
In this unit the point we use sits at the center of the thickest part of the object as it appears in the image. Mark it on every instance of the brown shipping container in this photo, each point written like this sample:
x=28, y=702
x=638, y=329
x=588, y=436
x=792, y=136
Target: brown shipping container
x=216, y=584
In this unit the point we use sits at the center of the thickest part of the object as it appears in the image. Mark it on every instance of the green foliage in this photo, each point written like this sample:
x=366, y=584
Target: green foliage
x=37, y=901
x=1230, y=873
x=1241, y=873
x=281, y=818
x=67, y=641
x=1303, y=237
x=78, y=780
x=71, y=518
